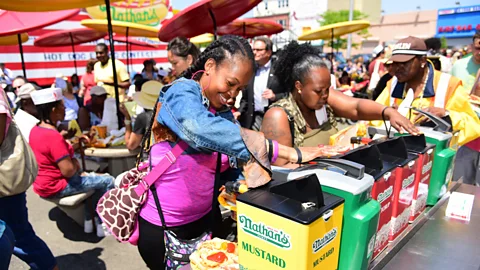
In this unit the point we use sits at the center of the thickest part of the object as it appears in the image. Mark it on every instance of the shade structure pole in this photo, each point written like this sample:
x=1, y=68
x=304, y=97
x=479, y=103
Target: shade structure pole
x=74, y=55
x=214, y=24
x=112, y=52
x=128, y=54
x=331, y=68
x=20, y=47
x=350, y=18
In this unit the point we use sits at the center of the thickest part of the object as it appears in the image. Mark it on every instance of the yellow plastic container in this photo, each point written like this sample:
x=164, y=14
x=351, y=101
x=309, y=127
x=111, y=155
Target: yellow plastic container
x=292, y=225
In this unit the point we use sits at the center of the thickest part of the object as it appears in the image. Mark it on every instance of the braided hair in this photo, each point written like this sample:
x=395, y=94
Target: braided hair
x=44, y=110
x=219, y=50
x=294, y=63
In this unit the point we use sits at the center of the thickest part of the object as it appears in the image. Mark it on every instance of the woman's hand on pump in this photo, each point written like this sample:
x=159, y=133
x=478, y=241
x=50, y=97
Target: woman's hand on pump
x=399, y=122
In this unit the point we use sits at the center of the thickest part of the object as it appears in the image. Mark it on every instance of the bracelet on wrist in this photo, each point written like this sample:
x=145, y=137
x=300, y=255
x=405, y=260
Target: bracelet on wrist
x=127, y=122
x=275, y=151
x=299, y=155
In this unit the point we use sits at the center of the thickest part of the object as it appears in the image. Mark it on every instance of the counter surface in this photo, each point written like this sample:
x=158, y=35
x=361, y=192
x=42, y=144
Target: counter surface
x=443, y=243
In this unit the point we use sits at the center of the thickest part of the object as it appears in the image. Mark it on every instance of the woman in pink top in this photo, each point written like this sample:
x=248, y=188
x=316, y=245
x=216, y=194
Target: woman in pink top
x=194, y=109
x=87, y=82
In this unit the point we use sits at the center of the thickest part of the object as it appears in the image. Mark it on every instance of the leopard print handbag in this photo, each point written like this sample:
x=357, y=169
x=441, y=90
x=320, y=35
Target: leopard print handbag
x=119, y=207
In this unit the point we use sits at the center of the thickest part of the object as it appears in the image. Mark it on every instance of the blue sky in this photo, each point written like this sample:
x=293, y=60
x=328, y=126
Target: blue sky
x=389, y=6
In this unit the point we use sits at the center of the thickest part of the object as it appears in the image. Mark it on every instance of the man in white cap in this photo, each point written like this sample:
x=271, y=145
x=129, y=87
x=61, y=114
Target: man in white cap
x=92, y=114
x=24, y=99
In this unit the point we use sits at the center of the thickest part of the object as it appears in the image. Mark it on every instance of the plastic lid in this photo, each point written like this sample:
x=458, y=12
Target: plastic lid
x=288, y=199
x=437, y=135
x=335, y=180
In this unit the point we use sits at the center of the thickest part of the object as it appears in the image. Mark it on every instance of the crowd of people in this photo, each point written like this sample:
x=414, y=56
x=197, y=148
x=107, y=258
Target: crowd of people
x=288, y=107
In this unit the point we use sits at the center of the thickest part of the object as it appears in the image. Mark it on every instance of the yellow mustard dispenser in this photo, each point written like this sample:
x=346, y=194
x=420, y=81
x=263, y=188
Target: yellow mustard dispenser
x=289, y=225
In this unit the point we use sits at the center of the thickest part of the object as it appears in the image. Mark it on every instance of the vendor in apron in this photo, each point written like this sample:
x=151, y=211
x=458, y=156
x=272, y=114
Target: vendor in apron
x=306, y=117
x=418, y=84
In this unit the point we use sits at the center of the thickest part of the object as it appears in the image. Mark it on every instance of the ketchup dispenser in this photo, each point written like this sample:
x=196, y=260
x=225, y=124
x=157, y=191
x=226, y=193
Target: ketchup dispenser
x=394, y=151
x=426, y=152
x=383, y=173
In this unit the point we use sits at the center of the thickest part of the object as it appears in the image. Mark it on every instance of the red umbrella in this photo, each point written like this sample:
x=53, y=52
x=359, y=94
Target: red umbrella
x=12, y=22
x=129, y=42
x=203, y=17
x=249, y=28
x=68, y=38
x=16, y=23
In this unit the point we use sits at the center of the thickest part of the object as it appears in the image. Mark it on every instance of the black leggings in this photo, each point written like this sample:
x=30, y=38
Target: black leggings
x=151, y=244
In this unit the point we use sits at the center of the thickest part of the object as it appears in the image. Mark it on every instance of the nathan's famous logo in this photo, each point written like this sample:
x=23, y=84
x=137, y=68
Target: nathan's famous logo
x=408, y=181
x=147, y=12
x=322, y=242
x=266, y=233
x=426, y=167
x=385, y=195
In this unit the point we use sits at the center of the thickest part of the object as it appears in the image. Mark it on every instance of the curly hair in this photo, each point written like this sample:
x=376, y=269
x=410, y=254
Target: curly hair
x=219, y=50
x=295, y=61
x=182, y=47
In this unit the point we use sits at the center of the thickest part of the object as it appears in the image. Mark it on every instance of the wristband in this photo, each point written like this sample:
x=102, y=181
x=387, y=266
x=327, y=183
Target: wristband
x=275, y=151
x=383, y=112
x=270, y=150
x=127, y=122
x=299, y=154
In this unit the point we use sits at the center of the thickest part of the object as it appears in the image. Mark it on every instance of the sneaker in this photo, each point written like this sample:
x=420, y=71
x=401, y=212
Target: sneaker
x=88, y=226
x=102, y=230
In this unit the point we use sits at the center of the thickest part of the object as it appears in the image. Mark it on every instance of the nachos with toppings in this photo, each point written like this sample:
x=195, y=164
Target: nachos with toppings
x=215, y=254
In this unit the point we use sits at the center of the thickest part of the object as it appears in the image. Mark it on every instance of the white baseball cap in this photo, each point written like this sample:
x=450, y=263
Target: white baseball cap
x=97, y=91
x=25, y=91
x=45, y=96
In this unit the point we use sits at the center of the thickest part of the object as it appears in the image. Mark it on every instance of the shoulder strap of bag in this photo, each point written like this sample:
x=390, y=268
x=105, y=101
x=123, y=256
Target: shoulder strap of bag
x=169, y=158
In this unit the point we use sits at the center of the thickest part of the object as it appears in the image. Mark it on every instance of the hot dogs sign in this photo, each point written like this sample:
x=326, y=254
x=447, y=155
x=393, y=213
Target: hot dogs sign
x=147, y=12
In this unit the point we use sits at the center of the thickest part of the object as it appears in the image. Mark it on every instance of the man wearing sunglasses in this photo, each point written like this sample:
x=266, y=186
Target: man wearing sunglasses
x=264, y=88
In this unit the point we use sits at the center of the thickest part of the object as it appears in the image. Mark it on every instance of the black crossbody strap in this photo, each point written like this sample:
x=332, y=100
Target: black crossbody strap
x=159, y=208
x=216, y=215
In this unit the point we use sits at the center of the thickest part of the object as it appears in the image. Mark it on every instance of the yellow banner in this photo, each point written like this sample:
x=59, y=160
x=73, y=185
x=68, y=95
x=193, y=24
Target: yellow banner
x=147, y=12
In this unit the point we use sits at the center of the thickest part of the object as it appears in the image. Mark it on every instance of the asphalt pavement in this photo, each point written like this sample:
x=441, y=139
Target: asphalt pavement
x=74, y=249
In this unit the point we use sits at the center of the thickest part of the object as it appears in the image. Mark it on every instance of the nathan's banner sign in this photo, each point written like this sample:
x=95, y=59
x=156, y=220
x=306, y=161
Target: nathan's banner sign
x=147, y=12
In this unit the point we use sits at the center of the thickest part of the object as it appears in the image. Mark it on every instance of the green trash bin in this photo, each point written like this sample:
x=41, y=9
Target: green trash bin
x=348, y=180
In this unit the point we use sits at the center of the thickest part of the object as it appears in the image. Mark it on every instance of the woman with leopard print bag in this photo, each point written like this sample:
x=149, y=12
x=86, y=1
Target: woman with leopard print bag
x=192, y=124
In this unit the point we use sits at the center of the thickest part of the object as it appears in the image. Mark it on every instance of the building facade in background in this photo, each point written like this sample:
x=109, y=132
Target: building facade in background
x=458, y=25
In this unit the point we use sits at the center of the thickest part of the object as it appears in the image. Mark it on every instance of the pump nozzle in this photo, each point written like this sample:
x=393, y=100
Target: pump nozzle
x=440, y=124
x=235, y=187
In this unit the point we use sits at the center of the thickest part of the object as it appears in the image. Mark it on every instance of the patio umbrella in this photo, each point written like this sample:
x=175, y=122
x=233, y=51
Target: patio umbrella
x=68, y=38
x=202, y=39
x=14, y=40
x=204, y=16
x=128, y=45
x=18, y=23
x=249, y=28
x=49, y=5
x=334, y=30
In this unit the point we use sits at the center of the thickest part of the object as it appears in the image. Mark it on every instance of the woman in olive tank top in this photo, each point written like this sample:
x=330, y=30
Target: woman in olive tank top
x=306, y=117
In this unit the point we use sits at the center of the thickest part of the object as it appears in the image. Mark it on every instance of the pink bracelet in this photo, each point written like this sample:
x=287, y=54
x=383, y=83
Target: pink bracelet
x=275, y=151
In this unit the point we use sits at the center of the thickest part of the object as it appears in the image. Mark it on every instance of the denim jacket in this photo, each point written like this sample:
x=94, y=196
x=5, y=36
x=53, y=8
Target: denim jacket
x=185, y=111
